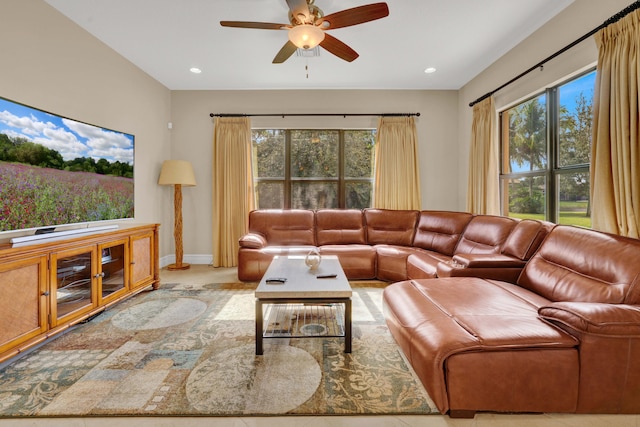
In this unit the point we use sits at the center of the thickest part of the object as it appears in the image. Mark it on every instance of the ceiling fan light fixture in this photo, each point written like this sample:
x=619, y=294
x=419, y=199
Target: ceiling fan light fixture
x=306, y=36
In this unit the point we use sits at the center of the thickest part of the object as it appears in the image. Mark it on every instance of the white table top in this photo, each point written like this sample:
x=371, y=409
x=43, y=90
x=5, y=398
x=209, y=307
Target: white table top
x=302, y=282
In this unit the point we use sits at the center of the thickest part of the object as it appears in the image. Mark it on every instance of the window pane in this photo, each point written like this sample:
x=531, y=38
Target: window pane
x=268, y=153
x=314, y=195
x=527, y=148
x=573, y=195
x=314, y=153
x=270, y=195
x=316, y=176
x=576, y=108
x=359, y=153
x=358, y=195
x=526, y=197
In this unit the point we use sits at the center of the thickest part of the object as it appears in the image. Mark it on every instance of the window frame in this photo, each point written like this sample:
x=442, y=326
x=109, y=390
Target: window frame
x=553, y=170
x=288, y=181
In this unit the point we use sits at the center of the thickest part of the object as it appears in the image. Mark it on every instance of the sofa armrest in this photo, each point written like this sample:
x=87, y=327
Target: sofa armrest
x=253, y=241
x=487, y=261
x=487, y=266
x=594, y=318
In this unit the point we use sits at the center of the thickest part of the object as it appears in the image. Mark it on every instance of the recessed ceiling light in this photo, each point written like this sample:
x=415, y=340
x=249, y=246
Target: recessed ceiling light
x=195, y=70
x=430, y=70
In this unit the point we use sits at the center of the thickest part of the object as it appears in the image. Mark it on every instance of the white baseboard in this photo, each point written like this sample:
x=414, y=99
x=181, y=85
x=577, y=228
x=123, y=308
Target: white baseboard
x=189, y=259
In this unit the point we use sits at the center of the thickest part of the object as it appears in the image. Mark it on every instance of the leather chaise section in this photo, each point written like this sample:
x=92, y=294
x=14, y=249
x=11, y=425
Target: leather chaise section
x=564, y=338
x=432, y=320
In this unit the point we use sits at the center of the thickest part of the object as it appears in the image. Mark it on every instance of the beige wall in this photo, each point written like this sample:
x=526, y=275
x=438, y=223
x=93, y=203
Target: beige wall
x=578, y=19
x=50, y=63
x=192, y=135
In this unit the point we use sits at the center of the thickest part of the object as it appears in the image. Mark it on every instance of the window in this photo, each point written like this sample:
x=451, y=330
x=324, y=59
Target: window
x=546, y=153
x=313, y=169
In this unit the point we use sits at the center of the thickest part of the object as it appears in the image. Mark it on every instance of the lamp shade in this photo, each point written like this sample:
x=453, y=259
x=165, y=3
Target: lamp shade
x=306, y=36
x=177, y=172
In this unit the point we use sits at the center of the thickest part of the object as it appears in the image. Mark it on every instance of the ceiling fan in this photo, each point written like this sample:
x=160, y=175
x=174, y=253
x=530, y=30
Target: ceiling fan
x=308, y=25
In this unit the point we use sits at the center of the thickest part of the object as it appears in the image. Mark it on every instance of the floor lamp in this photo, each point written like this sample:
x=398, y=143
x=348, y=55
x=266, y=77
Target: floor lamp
x=177, y=173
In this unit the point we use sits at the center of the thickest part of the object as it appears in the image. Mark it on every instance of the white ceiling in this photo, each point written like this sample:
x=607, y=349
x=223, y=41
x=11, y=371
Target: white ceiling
x=165, y=38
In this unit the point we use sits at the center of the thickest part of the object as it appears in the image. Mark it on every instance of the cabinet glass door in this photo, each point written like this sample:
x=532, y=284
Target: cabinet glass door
x=73, y=287
x=112, y=272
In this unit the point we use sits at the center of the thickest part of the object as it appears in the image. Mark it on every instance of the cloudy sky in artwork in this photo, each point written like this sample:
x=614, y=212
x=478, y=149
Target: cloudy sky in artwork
x=72, y=139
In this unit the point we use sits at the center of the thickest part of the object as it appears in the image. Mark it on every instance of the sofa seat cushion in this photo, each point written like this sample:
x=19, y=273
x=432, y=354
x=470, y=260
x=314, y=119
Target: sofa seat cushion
x=392, y=262
x=357, y=261
x=252, y=263
x=424, y=264
x=432, y=320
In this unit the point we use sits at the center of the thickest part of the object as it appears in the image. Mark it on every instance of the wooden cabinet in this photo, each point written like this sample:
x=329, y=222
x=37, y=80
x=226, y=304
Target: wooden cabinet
x=143, y=256
x=47, y=287
x=23, y=305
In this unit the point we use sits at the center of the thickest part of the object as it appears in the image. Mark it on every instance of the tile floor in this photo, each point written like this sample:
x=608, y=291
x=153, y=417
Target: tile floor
x=207, y=274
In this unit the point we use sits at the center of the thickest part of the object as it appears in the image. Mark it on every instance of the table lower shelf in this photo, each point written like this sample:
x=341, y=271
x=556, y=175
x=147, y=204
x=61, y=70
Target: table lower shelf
x=295, y=319
x=303, y=320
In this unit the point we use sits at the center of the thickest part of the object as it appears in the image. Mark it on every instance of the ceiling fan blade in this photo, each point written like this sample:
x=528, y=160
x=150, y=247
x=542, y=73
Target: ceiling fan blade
x=300, y=10
x=354, y=16
x=338, y=48
x=287, y=50
x=256, y=25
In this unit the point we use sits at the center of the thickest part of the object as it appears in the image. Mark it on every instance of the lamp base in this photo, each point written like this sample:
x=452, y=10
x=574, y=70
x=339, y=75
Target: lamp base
x=183, y=266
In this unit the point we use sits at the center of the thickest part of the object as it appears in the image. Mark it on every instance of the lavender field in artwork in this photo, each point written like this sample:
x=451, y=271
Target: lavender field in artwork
x=31, y=196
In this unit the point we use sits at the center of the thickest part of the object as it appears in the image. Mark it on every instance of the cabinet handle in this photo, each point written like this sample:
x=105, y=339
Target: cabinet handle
x=99, y=275
x=46, y=293
x=133, y=262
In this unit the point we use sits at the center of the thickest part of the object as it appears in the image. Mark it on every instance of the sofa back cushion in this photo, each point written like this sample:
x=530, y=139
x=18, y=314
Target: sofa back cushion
x=390, y=227
x=440, y=231
x=581, y=265
x=287, y=227
x=485, y=234
x=340, y=227
x=526, y=238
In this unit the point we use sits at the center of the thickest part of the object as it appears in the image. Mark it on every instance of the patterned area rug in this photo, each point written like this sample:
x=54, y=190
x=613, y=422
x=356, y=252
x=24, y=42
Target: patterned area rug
x=189, y=349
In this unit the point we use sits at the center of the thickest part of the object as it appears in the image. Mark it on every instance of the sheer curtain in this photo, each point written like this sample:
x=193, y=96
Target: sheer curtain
x=397, y=178
x=615, y=159
x=233, y=196
x=483, y=189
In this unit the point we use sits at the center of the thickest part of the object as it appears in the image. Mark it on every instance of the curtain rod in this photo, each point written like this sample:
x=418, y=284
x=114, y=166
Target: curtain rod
x=540, y=64
x=283, y=115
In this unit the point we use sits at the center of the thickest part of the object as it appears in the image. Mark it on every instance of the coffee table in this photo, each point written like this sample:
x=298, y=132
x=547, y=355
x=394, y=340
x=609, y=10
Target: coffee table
x=305, y=305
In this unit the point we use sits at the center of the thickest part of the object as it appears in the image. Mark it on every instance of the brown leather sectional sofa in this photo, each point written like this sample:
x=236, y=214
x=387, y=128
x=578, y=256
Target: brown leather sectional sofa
x=393, y=245
x=563, y=337
x=492, y=313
